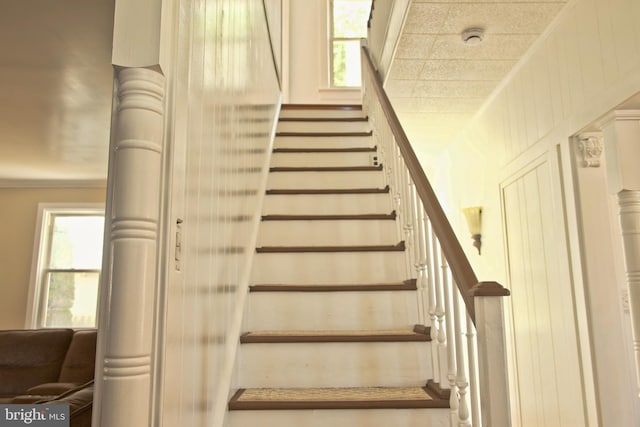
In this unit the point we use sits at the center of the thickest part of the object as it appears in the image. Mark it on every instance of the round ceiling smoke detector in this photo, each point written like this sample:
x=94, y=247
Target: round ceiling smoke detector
x=472, y=35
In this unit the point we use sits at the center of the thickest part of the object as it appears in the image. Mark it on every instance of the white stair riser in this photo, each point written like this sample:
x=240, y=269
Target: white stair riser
x=364, y=310
x=321, y=113
x=323, y=142
x=328, y=233
x=325, y=204
x=323, y=159
x=328, y=268
x=325, y=180
x=340, y=418
x=391, y=364
x=334, y=126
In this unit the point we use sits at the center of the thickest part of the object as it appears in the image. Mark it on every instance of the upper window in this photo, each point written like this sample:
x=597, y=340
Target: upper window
x=348, y=26
x=67, y=269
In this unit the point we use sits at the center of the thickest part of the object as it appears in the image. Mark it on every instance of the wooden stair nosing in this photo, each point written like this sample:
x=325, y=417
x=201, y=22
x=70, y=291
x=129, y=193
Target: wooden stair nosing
x=325, y=168
x=236, y=404
x=331, y=249
x=323, y=134
x=355, y=217
x=300, y=191
x=324, y=119
x=420, y=333
x=321, y=107
x=407, y=285
x=436, y=391
x=327, y=150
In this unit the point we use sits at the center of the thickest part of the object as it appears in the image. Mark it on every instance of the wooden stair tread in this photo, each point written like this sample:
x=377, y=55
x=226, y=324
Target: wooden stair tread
x=407, y=285
x=298, y=191
x=347, y=107
x=325, y=168
x=326, y=150
x=335, y=398
x=324, y=119
x=419, y=334
x=353, y=217
x=321, y=134
x=300, y=249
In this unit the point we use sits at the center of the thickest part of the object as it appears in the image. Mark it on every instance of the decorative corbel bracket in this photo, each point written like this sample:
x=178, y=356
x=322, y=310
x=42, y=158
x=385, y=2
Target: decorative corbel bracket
x=590, y=146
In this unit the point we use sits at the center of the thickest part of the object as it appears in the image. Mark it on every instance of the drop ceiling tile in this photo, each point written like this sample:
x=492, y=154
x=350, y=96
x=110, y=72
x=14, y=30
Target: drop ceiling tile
x=424, y=18
x=415, y=46
x=488, y=1
x=454, y=89
x=436, y=105
x=405, y=105
x=449, y=105
x=494, y=46
x=501, y=18
x=466, y=70
x=401, y=88
x=405, y=69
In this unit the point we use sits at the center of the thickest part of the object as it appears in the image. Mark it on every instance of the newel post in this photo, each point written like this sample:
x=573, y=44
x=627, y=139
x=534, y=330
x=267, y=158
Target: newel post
x=621, y=131
x=492, y=356
x=125, y=353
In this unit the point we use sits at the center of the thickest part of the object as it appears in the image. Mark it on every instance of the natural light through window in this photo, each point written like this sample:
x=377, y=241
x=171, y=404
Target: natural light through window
x=70, y=258
x=348, y=26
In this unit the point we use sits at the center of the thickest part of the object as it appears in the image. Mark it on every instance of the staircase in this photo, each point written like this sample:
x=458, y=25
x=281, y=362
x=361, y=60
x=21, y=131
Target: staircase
x=331, y=329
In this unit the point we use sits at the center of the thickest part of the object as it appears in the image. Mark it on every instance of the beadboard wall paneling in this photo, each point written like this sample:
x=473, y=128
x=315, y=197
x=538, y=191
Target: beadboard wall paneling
x=544, y=333
x=586, y=64
x=226, y=100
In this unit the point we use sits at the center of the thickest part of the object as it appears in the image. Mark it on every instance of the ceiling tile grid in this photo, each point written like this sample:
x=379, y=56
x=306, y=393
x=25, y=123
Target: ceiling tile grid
x=434, y=73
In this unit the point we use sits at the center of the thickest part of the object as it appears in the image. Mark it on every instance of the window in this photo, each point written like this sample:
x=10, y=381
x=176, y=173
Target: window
x=67, y=263
x=348, y=26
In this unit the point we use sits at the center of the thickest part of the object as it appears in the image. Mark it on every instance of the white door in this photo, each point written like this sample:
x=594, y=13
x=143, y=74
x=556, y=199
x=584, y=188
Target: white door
x=545, y=357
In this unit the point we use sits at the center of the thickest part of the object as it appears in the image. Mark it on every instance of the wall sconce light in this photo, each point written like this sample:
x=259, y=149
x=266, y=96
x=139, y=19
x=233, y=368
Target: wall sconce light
x=473, y=216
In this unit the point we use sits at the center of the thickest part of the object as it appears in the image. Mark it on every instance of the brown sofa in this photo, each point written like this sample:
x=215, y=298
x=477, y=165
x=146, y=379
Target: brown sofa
x=47, y=365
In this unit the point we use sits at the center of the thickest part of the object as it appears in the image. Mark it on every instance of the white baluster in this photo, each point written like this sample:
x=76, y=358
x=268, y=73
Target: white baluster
x=440, y=311
x=421, y=261
x=474, y=383
x=407, y=214
x=431, y=290
x=462, y=382
x=451, y=340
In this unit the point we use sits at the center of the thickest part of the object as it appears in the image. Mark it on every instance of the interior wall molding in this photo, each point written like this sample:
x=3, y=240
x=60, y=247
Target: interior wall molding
x=53, y=183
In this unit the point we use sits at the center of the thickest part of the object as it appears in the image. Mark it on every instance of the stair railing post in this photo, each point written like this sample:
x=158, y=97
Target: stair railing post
x=492, y=360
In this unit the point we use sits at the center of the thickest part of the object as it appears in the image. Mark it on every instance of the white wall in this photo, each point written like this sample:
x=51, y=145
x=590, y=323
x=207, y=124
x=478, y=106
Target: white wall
x=587, y=63
x=308, y=81
x=17, y=229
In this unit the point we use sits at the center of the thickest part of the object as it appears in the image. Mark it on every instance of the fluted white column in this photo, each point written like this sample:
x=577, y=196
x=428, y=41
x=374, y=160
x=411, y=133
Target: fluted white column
x=126, y=324
x=621, y=133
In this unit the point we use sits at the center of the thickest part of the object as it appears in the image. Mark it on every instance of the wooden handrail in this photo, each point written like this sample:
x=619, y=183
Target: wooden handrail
x=461, y=270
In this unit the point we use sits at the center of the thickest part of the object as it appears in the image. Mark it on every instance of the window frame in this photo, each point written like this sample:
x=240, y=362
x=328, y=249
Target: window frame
x=41, y=256
x=331, y=41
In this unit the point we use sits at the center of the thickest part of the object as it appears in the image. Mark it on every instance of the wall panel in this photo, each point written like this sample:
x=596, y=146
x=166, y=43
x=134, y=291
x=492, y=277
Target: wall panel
x=226, y=98
x=544, y=327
